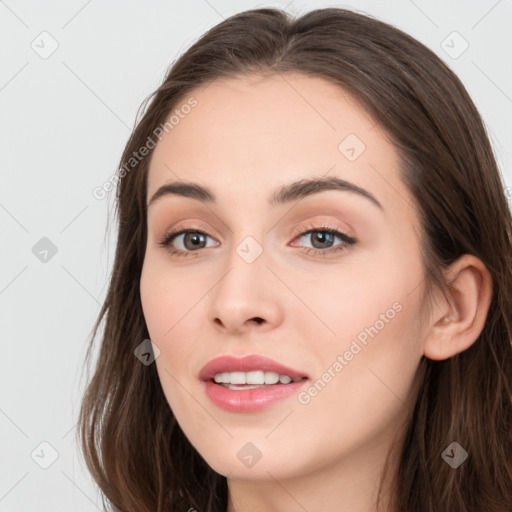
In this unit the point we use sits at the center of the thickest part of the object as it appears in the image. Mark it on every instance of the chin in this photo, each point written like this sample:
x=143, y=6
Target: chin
x=235, y=465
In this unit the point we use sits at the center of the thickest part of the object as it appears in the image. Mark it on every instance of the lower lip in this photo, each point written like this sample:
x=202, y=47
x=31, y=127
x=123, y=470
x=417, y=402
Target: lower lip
x=250, y=400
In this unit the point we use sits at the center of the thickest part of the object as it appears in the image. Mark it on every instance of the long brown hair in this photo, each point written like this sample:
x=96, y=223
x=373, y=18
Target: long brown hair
x=132, y=444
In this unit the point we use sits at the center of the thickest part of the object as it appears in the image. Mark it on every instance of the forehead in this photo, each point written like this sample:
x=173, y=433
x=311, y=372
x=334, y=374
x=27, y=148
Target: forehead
x=251, y=134
x=261, y=117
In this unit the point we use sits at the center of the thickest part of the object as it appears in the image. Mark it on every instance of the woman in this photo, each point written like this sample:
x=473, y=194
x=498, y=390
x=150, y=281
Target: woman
x=314, y=236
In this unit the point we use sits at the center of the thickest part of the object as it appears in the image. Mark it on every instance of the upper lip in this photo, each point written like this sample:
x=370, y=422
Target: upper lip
x=230, y=364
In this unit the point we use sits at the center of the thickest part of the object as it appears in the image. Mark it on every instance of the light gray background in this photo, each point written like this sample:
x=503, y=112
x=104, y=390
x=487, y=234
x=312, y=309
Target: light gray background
x=64, y=122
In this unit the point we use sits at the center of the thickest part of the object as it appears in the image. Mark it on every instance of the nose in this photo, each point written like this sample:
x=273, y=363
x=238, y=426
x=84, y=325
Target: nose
x=246, y=297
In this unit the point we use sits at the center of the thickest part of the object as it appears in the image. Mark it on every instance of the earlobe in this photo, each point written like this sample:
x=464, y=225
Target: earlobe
x=459, y=316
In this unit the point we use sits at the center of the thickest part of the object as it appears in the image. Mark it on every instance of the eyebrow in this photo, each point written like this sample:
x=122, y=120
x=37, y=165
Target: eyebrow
x=285, y=194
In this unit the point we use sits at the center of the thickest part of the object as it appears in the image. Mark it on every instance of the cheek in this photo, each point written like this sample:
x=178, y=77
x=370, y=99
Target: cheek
x=163, y=306
x=168, y=296
x=376, y=300
x=369, y=366
x=171, y=301
x=361, y=397
x=343, y=301
x=369, y=338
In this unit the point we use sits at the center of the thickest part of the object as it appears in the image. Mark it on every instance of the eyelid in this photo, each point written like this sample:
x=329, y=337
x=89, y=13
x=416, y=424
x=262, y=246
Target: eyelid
x=321, y=225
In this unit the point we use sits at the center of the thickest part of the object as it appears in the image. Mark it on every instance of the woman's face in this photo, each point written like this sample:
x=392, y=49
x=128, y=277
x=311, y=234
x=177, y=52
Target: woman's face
x=262, y=277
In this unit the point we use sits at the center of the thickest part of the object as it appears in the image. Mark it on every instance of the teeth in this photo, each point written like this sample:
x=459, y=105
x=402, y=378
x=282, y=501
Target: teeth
x=257, y=377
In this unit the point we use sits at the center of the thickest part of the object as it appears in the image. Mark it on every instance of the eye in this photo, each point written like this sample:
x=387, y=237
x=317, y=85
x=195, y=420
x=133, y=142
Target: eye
x=192, y=241
x=323, y=240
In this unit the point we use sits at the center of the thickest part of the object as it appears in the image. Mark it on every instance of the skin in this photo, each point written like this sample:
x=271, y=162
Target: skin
x=245, y=138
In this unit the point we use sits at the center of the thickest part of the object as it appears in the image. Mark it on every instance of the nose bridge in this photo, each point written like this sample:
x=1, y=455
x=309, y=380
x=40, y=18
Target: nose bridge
x=243, y=291
x=245, y=272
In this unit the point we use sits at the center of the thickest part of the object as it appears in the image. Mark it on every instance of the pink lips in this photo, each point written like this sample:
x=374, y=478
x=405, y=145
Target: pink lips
x=248, y=400
x=246, y=364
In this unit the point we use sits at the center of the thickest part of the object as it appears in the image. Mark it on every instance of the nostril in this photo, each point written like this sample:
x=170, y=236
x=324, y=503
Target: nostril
x=258, y=320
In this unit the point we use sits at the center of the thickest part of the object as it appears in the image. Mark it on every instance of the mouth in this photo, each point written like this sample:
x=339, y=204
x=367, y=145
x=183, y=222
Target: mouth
x=248, y=370
x=249, y=384
x=256, y=379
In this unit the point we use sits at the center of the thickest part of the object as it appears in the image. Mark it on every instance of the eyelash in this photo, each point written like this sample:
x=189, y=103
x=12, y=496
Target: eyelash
x=348, y=241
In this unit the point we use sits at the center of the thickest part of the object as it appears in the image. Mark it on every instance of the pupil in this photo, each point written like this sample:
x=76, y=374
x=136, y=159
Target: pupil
x=195, y=238
x=323, y=237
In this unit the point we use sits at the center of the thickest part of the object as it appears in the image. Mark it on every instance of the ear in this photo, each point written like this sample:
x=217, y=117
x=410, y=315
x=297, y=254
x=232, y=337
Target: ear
x=459, y=317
